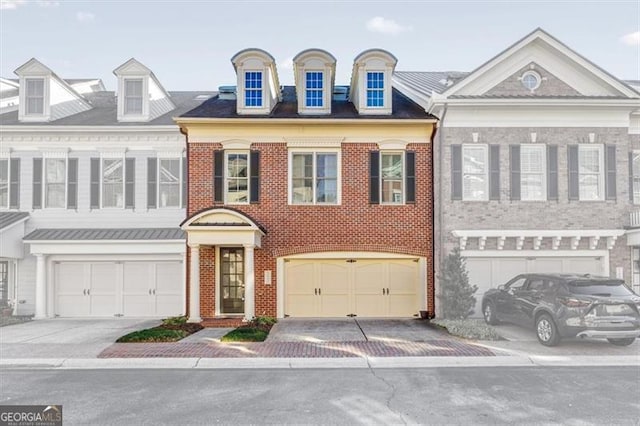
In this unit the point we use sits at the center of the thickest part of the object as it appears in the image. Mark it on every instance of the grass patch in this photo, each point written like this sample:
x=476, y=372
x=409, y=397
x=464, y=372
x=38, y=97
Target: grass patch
x=475, y=329
x=255, y=330
x=171, y=330
x=245, y=334
x=157, y=334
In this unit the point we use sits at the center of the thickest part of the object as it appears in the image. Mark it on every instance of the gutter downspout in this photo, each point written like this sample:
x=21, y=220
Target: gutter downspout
x=187, y=257
x=440, y=210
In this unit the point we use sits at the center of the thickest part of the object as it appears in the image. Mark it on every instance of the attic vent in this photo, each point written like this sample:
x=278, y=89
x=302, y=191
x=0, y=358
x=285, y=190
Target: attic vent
x=227, y=92
x=340, y=93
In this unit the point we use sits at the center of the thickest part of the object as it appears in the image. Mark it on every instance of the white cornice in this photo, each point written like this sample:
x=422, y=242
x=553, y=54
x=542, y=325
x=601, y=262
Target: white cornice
x=328, y=142
x=583, y=102
x=574, y=235
x=89, y=129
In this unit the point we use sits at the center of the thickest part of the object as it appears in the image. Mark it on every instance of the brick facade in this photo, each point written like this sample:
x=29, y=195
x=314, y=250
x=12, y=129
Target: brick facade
x=354, y=225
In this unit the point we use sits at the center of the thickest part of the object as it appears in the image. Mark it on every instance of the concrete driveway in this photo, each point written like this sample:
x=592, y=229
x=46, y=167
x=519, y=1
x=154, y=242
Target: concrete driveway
x=64, y=337
x=353, y=330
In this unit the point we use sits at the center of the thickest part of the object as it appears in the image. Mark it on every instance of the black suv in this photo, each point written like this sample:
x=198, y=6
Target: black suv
x=564, y=305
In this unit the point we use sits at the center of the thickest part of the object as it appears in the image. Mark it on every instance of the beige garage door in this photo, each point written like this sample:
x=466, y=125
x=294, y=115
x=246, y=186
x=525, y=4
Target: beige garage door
x=490, y=272
x=361, y=287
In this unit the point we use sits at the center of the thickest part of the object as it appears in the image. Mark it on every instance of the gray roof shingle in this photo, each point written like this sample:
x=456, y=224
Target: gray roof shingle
x=9, y=218
x=104, y=111
x=106, y=234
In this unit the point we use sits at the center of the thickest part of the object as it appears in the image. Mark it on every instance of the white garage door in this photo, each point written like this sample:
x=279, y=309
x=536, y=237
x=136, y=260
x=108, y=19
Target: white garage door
x=362, y=287
x=490, y=272
x=104, y=289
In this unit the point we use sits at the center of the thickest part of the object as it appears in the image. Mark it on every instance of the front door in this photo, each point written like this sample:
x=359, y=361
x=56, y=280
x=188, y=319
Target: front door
x=232, y=280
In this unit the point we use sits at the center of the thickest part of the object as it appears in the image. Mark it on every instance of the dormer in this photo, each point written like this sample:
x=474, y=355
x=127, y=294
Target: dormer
x=43, y=96
x=141, y=97
x=371, y=82
x=258, y=84
x=314, y=73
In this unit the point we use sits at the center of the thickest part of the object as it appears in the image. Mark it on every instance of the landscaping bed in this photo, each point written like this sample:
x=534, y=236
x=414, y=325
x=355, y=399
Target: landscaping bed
x=14, y=319
x=475, y=329
x=171, y=330
x=255, y=330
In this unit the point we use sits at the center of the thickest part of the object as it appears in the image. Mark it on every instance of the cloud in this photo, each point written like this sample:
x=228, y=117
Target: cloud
x=85, y=16
x=386, y=26
x=48, y=3
x=631, y=39
x=11, y=4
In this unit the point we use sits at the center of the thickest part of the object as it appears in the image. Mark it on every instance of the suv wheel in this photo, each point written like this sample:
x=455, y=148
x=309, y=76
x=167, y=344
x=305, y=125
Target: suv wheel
x=622, y=342
x=489, y=313
x=547, y=331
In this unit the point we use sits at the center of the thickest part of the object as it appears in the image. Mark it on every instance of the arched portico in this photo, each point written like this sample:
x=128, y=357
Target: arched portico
x=234, y=237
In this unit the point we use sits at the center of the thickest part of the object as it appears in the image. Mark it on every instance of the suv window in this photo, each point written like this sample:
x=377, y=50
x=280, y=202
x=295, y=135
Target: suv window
x=516, y=284
x=600, y=288
x=538, y=284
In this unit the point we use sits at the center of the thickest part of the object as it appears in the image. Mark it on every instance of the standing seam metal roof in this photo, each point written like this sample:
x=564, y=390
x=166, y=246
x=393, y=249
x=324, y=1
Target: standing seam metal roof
x=9, y=218
x=106, y=234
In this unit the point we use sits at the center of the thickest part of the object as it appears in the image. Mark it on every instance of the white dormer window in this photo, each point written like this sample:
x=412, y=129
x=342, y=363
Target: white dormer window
x=375, y=89
x=371, y=91
x=133, y=96
x=253, y=89
x=34, y=96
x=257, y=82
x=314, y=93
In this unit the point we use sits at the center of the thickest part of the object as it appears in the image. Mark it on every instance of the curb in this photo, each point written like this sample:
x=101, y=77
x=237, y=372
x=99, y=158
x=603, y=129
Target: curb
x=318, y=363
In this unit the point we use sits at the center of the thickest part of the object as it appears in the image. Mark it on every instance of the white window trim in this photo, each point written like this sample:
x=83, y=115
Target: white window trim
x=636, y=200
x=485, y=147
x=544, y=171
x=323, y=90
x=124, y=181
x=8, y=160
x=385, y=99
x=601, y=174
x=315, y=151
x=22, y=102
x=179, y=159
x=145, y=99
x=403, y=178
x=244, y=89
x=226, y=177
x=44, y=181
x=533, y=74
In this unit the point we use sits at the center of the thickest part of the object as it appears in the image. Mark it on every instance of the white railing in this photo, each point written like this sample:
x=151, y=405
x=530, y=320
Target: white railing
x=634, y=219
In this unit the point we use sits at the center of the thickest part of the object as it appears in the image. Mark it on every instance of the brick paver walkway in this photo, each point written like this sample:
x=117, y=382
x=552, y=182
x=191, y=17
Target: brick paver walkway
x=449, y=347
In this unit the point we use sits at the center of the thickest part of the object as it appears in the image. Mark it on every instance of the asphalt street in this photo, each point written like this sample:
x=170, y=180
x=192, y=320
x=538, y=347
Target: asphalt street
x=464, y=396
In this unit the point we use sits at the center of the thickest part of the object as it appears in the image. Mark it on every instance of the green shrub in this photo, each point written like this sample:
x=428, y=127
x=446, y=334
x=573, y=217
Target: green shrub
x=175, y=321
x=468, y=328
x=245, y=334
x=457, y=294
x=157, y=334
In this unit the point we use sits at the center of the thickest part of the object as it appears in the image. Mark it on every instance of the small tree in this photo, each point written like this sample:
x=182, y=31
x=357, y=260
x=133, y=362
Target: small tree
x=457, y=295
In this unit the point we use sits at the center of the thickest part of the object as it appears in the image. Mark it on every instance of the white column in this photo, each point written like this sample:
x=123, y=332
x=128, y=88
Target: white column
x=249, y=283
x=194, y=284
x=41, y=286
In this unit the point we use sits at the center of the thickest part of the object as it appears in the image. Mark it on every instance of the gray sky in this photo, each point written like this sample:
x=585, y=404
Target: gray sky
x=188, y=44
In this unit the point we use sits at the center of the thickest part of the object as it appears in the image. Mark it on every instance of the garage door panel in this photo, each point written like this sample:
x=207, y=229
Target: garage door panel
x=402, y=305
x=370, y=305
x=169, y=305
x=588, y=265
x=302, y=305
x=335, y=305
x=507, y=268
x=334, y=279
x=169, y=278
x=402, y=278
x=370, y=278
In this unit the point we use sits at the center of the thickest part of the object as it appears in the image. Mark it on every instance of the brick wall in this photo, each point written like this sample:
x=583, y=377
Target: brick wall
x=354, y=225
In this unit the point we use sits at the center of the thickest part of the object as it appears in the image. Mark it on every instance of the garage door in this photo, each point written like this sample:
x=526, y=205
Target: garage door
x=103, y=289
x=361, y=287
x=490, y=272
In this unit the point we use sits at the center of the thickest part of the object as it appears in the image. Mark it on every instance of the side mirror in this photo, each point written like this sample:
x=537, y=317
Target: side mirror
x=501, y=287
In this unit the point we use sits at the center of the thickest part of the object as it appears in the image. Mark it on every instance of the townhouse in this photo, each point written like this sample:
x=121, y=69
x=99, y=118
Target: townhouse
x=537, y=162
x=92, y=190
x=312, y=200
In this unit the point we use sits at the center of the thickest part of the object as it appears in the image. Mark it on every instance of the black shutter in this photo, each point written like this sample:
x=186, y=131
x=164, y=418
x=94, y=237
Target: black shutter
x=494, y=172
x=631, y=177
x=374, y=177
x=552, y=172
x=37, y=183
x=218, y=176
x=574, y=174
x=94, y=192
x=410, y=162
x=254, y=177
x=610, y=172
x=514, y=164
x=129, y=183
x=14, y=183
x=184, y=182
x=456, y=172
x=72, y=183
x=152, y=184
